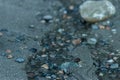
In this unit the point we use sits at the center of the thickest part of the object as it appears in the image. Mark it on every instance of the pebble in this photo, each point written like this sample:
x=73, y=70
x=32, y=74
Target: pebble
x=9, y=56
x=108, y=23
x=114, y=66
x=60, y=30
x=43, y=21
x=48, y=77
x=53, y=76
x=68, y=66
x=8, y=51
x=101, y=74
x=3, y=54
x=110, y=61
x=60, y=72
x=76, y=41
x=65, y=12
x=45, y=66
x=115, y=58
x=101, y=26
x=43, y=55
x=95, y=11
x=71, y=7
x=65, y=66
x=114, y=31
x=47, y=18
x=1, y=34
x=103, y=69
x=95, y=27
x=92, y=41
x=31, y=26
x=20, y=60
x=84, y=35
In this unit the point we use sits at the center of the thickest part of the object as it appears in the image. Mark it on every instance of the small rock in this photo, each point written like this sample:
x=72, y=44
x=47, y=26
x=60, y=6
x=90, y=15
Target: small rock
x=60, y=72
x=110, y=61
x=52, y=55
x=60, y=30
x=114, y=66
x=95, y=27
x=53, y=76
x=65, y=66
x=115, y=58
x=92, y=41
x=101, y=74
x=20, y=60
x=71, y=7
x=94, y=11
x=76, y=41
x=43, y=21
x=103, y=69
x=65, y=12
x=47, y=18
x=69, y=66
x=45, y=66
x=48, y=77
x=9, y=56
x=1, y=34
x=31, y=26
x=84, y=35
x=43, y=55
x=101, y=27
x=3, y=54
x=107, y=23
x=8, y=51
x=114, y=31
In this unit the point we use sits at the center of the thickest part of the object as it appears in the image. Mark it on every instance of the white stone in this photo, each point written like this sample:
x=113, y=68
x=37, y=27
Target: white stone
x=110, y=61
x=94, y=11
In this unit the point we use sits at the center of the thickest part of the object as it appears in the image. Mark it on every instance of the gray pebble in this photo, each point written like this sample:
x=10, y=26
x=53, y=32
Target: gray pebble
x=20, y=60
x=92, y=41
x=114, y=66
x=48, y=17
x=60, y=30
x=95, y=27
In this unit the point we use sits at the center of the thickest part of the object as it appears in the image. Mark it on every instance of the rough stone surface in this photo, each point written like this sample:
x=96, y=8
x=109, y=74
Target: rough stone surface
x=94, y=11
